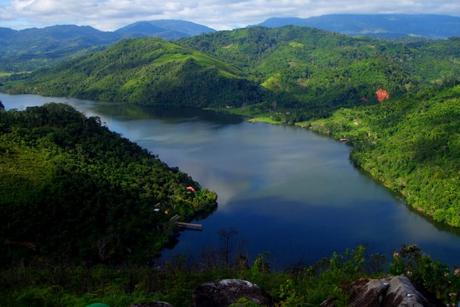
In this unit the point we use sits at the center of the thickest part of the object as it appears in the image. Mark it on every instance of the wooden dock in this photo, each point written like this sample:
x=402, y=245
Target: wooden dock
x=189, y=226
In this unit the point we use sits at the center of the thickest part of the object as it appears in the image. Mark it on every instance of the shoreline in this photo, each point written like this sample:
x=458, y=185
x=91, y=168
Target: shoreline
x=265, y=118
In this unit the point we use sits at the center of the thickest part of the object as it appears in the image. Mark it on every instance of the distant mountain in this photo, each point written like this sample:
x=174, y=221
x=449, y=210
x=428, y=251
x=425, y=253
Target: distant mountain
x=168, y=29
x=31, y=48
x=34, y=48
x=378, y=25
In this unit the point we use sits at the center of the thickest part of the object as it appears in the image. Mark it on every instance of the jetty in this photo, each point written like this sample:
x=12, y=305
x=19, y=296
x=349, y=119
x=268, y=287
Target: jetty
x=175, y=220
x=189, y=226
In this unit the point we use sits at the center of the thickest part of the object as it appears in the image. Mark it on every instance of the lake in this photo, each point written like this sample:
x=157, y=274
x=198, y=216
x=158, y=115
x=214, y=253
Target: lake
x=282, y=190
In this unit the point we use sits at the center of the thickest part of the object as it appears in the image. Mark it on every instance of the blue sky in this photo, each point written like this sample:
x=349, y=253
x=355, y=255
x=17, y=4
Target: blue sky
x=220, y=14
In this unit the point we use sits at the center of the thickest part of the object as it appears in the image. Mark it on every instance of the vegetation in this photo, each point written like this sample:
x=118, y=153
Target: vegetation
x=71, y=190
x=29, y=49
x=295, y=75
x=316, y=72
x=45, y=285
x=304, y=72
x=146, y=71
x=83, y=210
x=411, y=145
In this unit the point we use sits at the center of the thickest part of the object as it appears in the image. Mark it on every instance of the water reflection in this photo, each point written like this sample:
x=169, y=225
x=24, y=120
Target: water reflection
x=285, y=190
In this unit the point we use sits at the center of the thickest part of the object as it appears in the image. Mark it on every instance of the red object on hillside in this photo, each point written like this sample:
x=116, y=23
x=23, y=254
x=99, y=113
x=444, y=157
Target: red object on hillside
x=191, y=189
x=382, y=95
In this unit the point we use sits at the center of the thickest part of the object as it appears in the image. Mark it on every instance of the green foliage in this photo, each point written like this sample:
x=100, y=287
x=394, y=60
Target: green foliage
x=316, y=72
x=330, y=278
x=428, y=273
x=146, y=71
x=292, y=75
x=411, y=145
x=174, y=282
x=30, y=49
x=72, y=190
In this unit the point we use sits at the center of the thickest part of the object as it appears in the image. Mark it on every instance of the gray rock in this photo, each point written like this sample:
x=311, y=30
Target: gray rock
x=229, y=291
x=368, y=293
x=396, y=291
x=403, y=293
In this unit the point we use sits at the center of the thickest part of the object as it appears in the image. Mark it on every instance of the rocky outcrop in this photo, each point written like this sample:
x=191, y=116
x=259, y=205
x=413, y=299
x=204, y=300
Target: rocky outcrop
x=367, y=293
x=229, y=291
x=389, y=292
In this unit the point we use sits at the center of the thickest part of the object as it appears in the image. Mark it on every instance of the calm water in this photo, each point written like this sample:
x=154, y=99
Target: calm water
x=285, y=190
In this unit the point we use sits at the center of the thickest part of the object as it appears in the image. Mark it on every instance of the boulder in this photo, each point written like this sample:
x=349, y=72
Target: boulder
x=229, y=291
x=403, y=293
x=368, y=293
x=388, y=292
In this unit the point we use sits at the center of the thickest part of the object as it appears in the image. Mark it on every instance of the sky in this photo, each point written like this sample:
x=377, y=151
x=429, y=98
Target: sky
x=218, y=14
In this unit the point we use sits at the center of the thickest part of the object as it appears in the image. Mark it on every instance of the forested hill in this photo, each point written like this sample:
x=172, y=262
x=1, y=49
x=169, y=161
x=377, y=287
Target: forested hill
x=28, y=49
x=411, y=145
x=306, y=72
x=147, y=71
x=322, y=71
x=34, y=48
x=72, y=190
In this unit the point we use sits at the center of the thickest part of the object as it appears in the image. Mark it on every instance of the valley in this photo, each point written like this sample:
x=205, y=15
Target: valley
x=318, y=158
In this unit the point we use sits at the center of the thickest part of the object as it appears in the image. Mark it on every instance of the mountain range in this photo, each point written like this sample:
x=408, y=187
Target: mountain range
x=29, y=49
x=307, y=71
x=169, y=29
x=377, y=25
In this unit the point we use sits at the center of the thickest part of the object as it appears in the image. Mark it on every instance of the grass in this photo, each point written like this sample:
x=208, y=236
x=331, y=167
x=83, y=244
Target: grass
x=265, y=119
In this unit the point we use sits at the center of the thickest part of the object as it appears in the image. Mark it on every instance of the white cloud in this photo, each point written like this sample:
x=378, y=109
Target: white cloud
x=220, y=14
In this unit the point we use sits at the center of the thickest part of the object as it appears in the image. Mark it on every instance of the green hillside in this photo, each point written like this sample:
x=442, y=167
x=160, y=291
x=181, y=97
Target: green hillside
x=304, y=72
x=292, y=75
x=146, y=71
x=411, y=145
x=72, y=190
x=318, y=71
x=29, y=49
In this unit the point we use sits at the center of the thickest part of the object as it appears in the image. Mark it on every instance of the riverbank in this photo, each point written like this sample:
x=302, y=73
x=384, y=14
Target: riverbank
x=426, y=173
x=94, y=195
x=270, y=177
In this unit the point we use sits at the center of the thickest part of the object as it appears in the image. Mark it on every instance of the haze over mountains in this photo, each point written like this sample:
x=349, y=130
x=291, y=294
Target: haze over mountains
x=168, y=29
x=29, y=49
x=378, y=25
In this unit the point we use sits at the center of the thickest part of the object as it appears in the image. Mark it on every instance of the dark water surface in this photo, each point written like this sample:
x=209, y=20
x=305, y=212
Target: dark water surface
x=285, y=190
